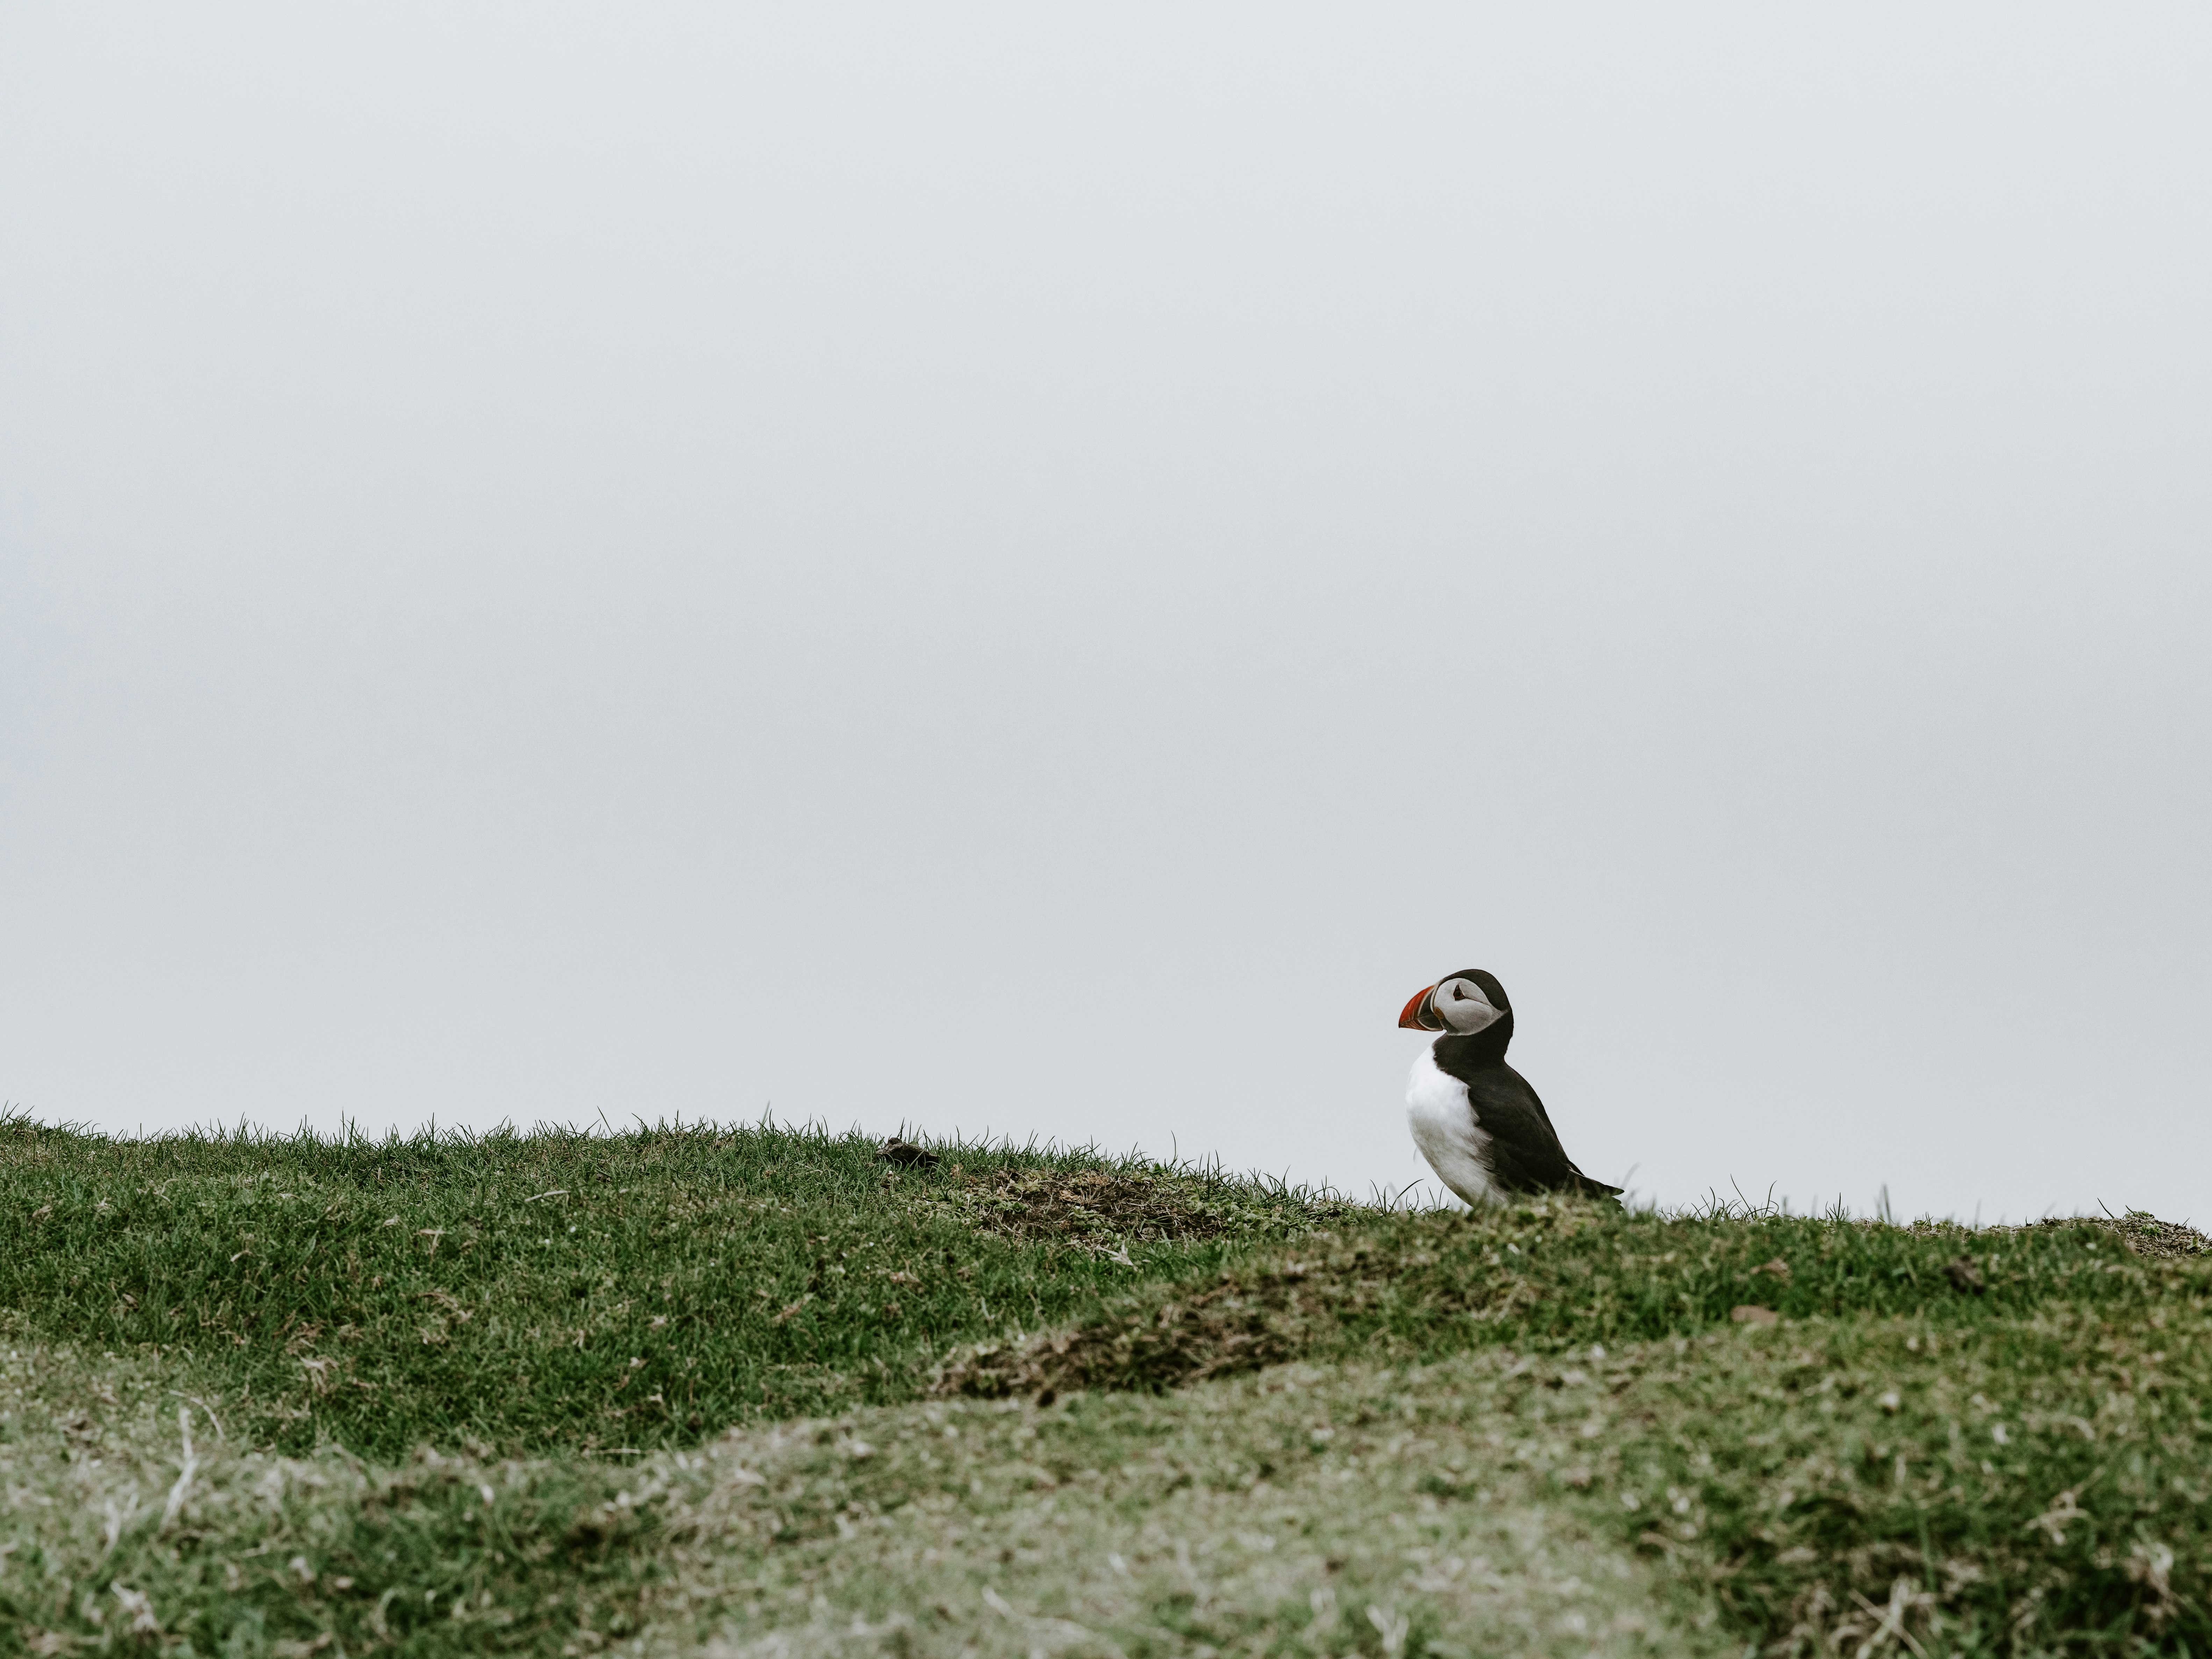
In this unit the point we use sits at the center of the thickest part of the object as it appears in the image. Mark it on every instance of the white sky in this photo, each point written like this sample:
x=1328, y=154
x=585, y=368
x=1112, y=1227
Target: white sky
x=1041, y=569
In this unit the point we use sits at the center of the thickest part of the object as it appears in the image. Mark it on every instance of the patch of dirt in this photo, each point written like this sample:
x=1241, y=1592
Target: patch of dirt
x=1104, y=1210
x=1251, y=1317
x=2146, y=1235
x=2141, y=1231
x=1233, y=1326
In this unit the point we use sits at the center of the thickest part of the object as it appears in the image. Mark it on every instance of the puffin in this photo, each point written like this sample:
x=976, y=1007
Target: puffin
x=1475, y=1119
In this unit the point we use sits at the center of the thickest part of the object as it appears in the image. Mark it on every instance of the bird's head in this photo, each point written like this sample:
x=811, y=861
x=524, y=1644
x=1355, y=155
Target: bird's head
x=1459, y=1004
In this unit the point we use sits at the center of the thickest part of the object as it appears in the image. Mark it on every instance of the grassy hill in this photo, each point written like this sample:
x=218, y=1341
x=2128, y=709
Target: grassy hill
x=764, y=1392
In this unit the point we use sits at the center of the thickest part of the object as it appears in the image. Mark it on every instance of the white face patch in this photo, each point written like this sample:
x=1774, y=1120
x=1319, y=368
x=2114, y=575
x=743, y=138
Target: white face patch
x=1462, y=1006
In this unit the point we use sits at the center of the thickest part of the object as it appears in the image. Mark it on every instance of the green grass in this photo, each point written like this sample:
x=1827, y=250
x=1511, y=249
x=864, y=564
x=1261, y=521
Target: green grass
x=530, y=1292
x=1560, y=1274
x=1118, y=1408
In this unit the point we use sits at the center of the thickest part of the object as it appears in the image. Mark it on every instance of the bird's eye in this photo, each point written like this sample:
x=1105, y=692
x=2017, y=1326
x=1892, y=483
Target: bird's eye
x=1460, y=995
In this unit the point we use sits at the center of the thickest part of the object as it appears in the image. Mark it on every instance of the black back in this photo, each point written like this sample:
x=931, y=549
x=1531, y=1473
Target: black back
x=1524, y=1152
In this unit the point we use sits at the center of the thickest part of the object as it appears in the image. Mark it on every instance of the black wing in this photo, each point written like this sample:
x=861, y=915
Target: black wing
x=1525, y=1154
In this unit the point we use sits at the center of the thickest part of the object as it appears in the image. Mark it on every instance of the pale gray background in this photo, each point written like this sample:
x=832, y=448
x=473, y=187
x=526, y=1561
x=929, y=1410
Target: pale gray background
x=1042, y=567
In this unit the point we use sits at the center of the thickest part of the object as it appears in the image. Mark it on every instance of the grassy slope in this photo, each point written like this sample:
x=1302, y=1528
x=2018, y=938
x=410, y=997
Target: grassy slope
x=563, y=1290
x=1538, y=1431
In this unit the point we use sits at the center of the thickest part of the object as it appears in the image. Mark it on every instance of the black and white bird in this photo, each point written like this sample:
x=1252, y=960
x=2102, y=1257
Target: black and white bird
x=1475, y=1119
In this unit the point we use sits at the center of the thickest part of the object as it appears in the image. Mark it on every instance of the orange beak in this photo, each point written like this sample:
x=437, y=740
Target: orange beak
x=1410, y=1018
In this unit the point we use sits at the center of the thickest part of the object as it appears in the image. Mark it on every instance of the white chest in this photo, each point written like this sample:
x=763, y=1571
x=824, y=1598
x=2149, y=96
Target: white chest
x=1445, y=1128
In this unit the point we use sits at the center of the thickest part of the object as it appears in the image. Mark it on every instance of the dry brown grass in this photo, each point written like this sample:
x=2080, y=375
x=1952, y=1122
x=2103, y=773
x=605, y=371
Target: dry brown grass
x=2144, y=1234
x=1106, y=1210
x=1222, y=1328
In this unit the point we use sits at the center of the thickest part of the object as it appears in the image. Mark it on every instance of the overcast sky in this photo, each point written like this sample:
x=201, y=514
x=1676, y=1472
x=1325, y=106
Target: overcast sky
x=1041, y=568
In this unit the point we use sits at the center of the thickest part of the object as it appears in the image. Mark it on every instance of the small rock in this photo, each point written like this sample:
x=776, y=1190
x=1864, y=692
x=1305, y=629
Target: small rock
x=1746, y=1314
